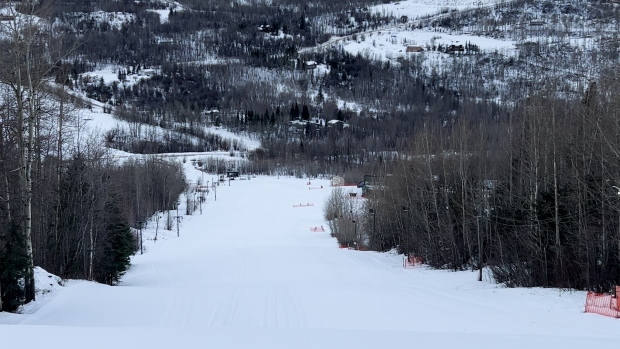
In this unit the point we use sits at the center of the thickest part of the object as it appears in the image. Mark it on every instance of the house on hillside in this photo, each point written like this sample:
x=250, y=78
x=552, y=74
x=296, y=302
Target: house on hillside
x=149, y=72
x=210, y=112
x=211, y=115
x=265, y=28
x=337, y=181
x=371, y=182
x=334, y=122
x=340, y=125
x=232, y=174
x=310, y=65
x=165, y=41
x=411, y=49
x=456, y=48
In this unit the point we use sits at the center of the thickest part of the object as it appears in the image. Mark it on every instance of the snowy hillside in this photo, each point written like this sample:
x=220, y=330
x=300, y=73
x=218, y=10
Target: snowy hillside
x=419, y=8
x=249, y=272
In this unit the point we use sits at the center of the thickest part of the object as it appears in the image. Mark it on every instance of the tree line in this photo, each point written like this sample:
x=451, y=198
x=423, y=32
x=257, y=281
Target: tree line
x=533, y=194
x=66, y=204
x=385, y=105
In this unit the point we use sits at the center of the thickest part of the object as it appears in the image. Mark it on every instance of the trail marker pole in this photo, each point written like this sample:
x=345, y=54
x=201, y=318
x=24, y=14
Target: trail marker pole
x=140, y=230
x=178, y=218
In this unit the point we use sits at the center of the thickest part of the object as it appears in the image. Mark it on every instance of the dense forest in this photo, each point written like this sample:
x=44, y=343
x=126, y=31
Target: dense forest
x=484, y=158
x=66, y=203
x=533, y=195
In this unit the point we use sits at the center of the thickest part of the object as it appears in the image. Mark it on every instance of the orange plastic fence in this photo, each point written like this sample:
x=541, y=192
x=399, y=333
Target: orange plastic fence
x=411, y=261
x=603, y=304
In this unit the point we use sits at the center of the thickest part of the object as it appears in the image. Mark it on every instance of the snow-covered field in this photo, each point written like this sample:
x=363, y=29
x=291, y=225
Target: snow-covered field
x=418, y=8
x=250, y=273
x=172, y=5
x=392, y=44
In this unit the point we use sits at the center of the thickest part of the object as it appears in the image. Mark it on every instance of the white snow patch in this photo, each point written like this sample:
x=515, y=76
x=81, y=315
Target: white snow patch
x=164, y=14
x=47, y=285
x=392, y=44
x=419, y=8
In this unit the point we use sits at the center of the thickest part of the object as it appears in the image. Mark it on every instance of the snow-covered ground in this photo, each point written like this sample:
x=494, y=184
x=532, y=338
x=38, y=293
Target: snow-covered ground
x=172, y=5
x=250, y=273
x=419, y=8
x=92, y=121
x=392, y=44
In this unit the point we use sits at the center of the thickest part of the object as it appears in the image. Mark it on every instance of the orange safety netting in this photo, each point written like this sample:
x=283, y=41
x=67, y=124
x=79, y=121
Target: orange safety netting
x=604, y=304
x=412, y=261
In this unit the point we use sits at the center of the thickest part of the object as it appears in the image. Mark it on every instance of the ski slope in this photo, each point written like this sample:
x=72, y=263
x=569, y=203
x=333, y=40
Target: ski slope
x=249, y=273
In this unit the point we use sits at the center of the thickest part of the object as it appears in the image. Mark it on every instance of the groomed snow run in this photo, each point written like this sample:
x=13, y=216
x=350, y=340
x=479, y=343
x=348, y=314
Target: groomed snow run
x=250, y=273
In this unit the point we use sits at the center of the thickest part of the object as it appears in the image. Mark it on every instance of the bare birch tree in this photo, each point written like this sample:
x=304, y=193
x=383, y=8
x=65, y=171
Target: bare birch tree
x=26, y=62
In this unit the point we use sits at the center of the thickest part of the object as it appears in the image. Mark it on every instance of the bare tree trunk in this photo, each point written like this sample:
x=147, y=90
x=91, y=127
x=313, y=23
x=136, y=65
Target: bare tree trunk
x=533, y=128
x=24, y=79
x=91, y=243
x=556, y=197
x=463, y=179
x=480, y=254
x=431, y=178
x=26, y=64
x=25, y=127
x=7, y=194
x=30, y=151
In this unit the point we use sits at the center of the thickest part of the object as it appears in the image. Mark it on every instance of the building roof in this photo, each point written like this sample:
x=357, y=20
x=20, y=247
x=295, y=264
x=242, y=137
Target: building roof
x=415, y=49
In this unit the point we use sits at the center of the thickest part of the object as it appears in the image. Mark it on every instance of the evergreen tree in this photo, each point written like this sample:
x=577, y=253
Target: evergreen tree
x=119, y=244
x=13, y=265
x=320, y=98
x=305, y=113
x=296, y=111
x=339, y=115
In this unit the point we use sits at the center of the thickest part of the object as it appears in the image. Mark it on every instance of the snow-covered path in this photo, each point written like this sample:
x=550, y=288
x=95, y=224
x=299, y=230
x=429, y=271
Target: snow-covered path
x=249, y=273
